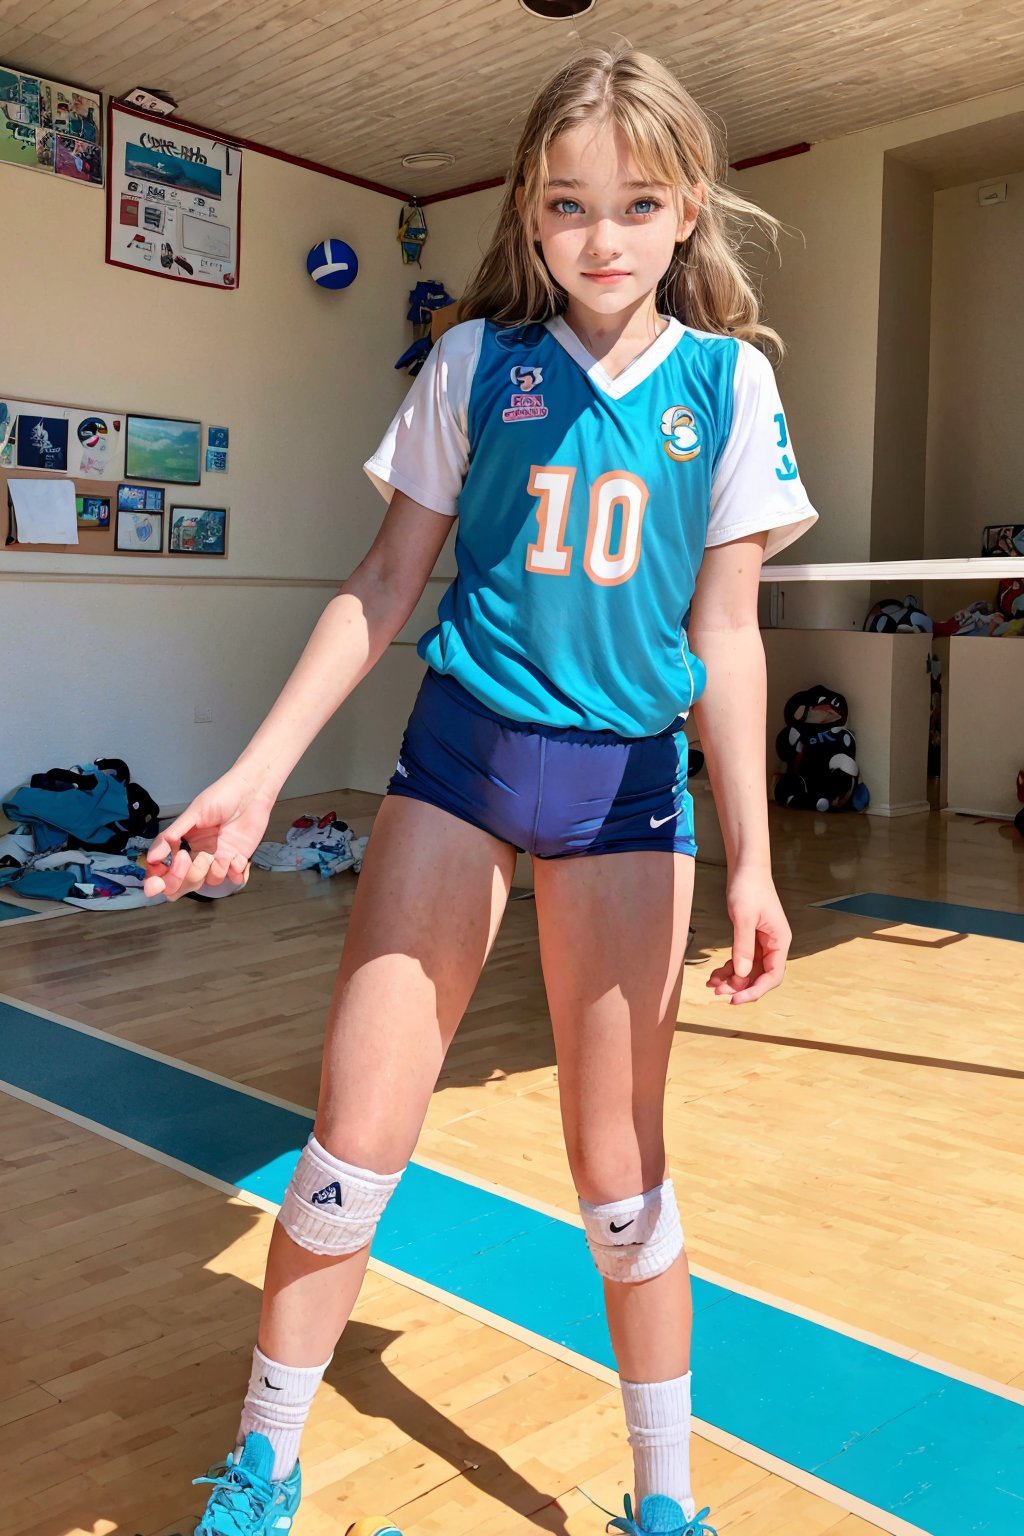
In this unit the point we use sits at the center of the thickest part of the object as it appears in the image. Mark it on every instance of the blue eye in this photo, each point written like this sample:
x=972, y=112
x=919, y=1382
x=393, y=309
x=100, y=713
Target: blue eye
x=558, y=206
x=652, y=202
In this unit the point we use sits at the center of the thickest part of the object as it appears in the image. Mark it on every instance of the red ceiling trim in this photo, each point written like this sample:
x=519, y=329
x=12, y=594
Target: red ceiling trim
x=775, y=154
x=474, y=186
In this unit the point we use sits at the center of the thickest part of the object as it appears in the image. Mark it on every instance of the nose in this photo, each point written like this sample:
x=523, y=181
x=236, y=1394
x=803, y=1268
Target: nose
x=604, y=243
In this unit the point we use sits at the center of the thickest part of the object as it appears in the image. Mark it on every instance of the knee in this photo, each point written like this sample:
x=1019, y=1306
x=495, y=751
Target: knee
x=636, y=1238
x=332, y=1207
x=605, y=1166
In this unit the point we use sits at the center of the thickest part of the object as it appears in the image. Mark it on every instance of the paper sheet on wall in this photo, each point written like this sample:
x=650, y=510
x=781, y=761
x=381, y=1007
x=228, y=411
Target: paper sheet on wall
x=44, y=511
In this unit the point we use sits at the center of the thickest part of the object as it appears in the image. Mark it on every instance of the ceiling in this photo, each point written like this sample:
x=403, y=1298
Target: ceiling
x=976, y=153
x=355, y=86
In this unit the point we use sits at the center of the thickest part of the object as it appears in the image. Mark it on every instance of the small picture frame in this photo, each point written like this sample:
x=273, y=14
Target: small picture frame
x=139, y=533
x=163, y=448
x=140, y=498
x=198, y=531
x=93, y=511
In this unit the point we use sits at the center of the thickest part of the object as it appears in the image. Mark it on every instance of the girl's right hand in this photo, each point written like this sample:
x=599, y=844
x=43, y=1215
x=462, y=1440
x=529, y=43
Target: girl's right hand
x=224, y=826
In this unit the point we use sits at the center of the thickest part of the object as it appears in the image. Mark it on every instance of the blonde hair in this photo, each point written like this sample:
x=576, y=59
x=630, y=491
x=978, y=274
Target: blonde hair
x=706, y=285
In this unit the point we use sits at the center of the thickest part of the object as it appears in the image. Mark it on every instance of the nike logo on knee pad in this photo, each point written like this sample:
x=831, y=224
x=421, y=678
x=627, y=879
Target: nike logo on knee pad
x=625, y=1224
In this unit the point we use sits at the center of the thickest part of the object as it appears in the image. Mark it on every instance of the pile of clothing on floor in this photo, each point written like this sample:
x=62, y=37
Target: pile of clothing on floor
x=79, y=835
x=314, y=842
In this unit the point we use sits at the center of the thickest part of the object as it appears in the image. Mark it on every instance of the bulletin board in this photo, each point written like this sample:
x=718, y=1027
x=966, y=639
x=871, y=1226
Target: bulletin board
x=102, y=463
x=173, y=199
x=94, y=461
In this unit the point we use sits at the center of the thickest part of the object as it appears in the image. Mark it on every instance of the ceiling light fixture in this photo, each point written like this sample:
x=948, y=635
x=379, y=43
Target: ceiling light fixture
x=429, y=160
x=556, y=10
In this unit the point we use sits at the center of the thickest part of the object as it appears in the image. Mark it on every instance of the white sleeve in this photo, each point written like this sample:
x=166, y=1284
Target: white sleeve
x=425, y=450
x=757, y=485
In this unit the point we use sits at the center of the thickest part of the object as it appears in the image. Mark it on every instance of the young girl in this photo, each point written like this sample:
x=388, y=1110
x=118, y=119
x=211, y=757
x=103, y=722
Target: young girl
x=614, y=448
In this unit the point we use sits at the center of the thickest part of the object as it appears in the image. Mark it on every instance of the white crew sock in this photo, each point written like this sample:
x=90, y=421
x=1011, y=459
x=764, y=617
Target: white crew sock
x=277, y=1405
x=658, y=1420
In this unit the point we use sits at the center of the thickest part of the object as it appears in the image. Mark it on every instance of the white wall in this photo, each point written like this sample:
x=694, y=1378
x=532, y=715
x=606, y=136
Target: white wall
x=901, y=375
x=984, y=697
x=305, y=381
x=975, y=443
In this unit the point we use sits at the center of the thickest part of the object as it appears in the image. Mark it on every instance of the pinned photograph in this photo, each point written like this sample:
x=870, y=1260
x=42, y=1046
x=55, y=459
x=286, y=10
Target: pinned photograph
x=162, y=448
x=78, y=158
x=93, y=511
x=216, y=460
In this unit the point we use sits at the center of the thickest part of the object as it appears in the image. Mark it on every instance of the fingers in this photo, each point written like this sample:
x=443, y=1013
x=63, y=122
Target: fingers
x=187, y=873
x=744, y=943
x=169, y=841
x=766, y=972
x=771, y=976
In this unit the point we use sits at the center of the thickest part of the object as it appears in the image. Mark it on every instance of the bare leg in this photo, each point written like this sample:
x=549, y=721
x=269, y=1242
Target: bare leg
x=613, y=935
x=430, y=900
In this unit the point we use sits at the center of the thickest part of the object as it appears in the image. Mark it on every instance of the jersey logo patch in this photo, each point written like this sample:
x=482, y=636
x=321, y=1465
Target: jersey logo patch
x=679, y=428
x=524, y=405
x=526, y=379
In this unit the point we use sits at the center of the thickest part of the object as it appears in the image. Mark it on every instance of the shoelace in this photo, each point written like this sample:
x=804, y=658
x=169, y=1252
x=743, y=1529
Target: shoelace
x=627, y=1524
x=236, y=1490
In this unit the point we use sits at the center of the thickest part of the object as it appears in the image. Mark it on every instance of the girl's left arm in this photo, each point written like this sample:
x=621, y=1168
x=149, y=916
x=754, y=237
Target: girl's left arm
x=731, y=718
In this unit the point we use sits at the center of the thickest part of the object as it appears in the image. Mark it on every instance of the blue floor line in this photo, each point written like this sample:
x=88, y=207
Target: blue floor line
x=943, y=1455
x=987, y=922
x=9, y=913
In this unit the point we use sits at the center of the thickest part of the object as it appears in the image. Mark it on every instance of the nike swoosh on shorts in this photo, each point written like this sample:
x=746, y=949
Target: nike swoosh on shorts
x=663, y=820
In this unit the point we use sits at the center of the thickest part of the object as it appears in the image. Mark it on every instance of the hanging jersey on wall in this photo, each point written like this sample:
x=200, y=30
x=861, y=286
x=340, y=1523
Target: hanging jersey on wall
x=585, y=504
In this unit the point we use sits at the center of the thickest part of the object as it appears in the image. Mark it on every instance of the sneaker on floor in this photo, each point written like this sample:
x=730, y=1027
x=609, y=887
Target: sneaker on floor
x=661, y=1516
x=244, y=1501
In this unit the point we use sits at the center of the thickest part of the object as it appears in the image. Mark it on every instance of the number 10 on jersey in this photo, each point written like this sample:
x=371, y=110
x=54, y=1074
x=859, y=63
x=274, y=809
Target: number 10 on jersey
x=552, y=556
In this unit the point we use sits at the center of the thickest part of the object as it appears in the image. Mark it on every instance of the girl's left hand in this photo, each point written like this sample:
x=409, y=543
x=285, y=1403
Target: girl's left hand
x=761, y=940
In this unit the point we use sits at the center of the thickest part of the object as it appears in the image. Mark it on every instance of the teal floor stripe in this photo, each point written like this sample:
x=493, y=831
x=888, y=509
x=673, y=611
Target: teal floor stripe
x=942, y=1455
x=988, y=922
x=9, y=913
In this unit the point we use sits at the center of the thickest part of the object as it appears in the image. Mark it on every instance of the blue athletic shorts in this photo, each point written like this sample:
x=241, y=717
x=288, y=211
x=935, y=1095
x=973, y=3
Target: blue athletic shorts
x=552, y=793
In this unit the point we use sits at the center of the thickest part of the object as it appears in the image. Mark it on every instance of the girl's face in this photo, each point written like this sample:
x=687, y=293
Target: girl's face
x=607, y=234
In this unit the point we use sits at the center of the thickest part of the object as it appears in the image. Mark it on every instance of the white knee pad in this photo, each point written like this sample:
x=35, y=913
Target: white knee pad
x=636, y=1238
x=330, y=1207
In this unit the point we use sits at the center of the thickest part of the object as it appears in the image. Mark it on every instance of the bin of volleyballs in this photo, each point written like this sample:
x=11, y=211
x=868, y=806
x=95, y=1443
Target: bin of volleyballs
x=332, y=264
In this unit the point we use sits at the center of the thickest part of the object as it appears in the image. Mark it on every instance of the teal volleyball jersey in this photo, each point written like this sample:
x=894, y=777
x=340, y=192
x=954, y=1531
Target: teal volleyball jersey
x=585, y=504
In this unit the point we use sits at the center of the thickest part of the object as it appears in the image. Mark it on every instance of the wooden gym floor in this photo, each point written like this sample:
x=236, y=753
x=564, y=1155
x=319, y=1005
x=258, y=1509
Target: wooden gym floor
x=847, y=1151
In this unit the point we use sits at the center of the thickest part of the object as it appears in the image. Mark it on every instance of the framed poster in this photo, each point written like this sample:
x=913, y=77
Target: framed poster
x=46, y=126
x=161, y=448
x=173, y=199
x=198, y=531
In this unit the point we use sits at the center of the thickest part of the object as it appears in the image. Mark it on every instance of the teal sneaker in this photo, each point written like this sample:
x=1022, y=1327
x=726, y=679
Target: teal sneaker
x=244, y=1501
x=660, y=1516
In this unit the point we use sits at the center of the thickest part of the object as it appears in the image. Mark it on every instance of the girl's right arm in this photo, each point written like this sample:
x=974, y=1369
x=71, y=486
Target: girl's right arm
x=225, y=823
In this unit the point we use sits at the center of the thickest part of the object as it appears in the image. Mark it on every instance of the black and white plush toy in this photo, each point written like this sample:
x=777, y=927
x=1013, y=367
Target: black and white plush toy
x=820, y=754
